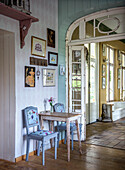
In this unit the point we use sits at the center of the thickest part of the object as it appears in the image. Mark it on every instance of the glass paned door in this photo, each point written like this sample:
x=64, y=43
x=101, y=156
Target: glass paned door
x=83, y=81
x=77, y=84
x=75, y=79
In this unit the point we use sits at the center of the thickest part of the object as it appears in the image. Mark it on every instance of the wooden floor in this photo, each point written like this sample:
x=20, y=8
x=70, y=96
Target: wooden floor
x=111, y=134
x=94, y=157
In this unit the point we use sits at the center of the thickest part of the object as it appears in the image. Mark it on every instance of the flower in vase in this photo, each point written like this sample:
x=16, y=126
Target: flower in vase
x=51, y=101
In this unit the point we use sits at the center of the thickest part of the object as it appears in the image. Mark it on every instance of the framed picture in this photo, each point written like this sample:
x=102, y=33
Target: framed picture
x=104, y=50
x=118, y=83
x=118, y=73
x=38, y=47
x=119, y=57
x=48, y=77
x=29, y=76
x=50, y=38
x=52, y=58
x=62, y=70
x=103, y=69
x=103, y=82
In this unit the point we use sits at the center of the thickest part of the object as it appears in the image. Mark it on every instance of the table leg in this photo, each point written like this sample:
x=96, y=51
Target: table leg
x=52, y=128
x=68, y=138
x=41, y=122
x=78, y=134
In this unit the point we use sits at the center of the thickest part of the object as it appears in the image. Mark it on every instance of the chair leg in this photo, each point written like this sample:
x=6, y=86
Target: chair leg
x=43, y=152
x=58, y=139
x=72, y=139
x=38, y=149
x=55, y=139
x=65, y=137
x=27, y=150
x=80, y=131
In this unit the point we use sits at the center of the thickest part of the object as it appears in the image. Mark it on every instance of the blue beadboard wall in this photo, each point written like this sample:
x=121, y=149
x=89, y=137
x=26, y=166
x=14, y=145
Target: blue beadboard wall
x=69, y=11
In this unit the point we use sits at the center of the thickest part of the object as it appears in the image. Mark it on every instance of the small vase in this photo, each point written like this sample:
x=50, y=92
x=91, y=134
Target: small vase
x=51, y=109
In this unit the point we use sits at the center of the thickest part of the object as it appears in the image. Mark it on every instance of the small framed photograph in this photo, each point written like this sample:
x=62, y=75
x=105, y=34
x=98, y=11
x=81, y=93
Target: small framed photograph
x=29, y=76
x=118, y=73
x=62, y=70
x=48, y=77
x=118, y=83
x=103, y=82
x=119, y=55
x=52, y=58
x=50, y=38
x=103, y=69
x=38, y=47
x=104, y=49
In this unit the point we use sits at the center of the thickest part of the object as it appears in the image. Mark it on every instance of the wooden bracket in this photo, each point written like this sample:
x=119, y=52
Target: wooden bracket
x=24, y=27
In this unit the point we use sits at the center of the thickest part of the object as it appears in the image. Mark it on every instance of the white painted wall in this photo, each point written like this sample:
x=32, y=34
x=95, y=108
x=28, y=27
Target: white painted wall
x=47, y=13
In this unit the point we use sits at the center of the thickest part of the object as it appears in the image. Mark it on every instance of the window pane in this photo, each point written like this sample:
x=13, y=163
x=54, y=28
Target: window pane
x=123, y=60
x=92, y=82
x=76, y=93
x=93, y=50
x=124, y=84
x=76, y=106
x=76, y=81
x=111, y=56
x=109, y=25
x=107, y=84
x=75, y=35
x=76, y=69
x=76, y=56
x=89, y=29
x=111, y=83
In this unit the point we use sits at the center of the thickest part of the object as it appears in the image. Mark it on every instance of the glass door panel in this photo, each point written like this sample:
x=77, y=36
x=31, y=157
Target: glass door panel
x=76, y=80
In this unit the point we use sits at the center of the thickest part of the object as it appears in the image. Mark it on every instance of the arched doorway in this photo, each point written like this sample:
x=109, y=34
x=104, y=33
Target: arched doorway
x=83, y=68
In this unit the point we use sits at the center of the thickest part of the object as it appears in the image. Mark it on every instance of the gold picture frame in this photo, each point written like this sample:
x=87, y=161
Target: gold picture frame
x=38, y=47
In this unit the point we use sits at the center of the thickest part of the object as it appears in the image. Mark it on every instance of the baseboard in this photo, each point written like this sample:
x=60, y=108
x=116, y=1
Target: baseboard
x=61, y=141
x=23, y=157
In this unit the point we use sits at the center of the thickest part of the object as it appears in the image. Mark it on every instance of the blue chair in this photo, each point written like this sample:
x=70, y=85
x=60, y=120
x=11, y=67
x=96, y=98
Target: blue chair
x=31, y=118
x=59, y=107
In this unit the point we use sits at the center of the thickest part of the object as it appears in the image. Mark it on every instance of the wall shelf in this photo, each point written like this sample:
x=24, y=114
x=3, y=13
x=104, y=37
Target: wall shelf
x=24, y=19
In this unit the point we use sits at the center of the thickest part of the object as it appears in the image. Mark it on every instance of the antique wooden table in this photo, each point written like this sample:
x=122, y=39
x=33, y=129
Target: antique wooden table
x=63, y=117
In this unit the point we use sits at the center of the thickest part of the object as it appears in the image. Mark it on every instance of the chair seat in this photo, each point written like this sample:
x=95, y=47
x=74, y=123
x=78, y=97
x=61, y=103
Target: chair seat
x=40, y=134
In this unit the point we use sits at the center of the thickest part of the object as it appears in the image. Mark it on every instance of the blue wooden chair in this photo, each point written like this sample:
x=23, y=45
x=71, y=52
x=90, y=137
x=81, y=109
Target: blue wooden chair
x=59, y=107
x=31, y=120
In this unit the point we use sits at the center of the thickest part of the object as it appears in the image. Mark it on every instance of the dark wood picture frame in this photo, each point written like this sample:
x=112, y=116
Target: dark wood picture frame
x=29, y=76
x=52, y=58
x=50, y=38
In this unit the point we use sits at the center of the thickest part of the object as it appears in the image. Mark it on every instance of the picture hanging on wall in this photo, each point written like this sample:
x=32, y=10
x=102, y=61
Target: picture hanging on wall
x=118, y=83
x=38, y=47
x=29, y=76
x=103, y=69
x=50, y=38
x=103, y=82
x=52, y=58
x=118, y=72
x=48, y=77
x=62, y=70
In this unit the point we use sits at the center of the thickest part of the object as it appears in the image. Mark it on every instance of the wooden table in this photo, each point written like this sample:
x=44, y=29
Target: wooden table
x=63, y=117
